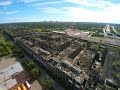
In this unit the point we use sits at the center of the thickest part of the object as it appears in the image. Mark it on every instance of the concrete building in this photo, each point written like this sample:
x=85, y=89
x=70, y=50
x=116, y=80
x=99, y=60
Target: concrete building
x=12, y=74
x=66, y=57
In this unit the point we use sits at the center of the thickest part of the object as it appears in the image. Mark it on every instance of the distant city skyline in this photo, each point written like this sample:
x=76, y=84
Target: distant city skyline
x=102, y=11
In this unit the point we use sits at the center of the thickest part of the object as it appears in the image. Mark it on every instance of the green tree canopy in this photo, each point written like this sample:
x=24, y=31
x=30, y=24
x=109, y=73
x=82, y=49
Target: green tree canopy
x=31, y=65
x=47, y=83
x=34, y=72
x=118, y=75
x=6, y=47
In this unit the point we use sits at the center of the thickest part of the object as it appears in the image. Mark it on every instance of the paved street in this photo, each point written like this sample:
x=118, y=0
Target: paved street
x=115, y=42
x=108, y=65
x=107, y=69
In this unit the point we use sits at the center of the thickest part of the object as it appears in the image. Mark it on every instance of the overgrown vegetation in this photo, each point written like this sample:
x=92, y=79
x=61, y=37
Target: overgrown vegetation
x=47, y=83
x=32, y=68
x=97, y=34
x=116, y=63
x=41, y=30
x=118, y=75
x=117, y=49
x=6, y=46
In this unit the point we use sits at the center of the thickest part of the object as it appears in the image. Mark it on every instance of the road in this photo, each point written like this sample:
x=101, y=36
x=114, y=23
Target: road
x=107, y=30
x=109, y=41
x=107, y=68
x=108, y=64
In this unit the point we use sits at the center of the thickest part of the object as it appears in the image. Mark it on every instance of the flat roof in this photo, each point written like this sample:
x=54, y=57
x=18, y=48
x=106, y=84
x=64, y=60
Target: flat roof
x=11, y=73
x=6, y=62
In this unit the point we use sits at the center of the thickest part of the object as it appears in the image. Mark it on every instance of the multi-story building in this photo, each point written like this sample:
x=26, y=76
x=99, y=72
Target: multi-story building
x=68, y=58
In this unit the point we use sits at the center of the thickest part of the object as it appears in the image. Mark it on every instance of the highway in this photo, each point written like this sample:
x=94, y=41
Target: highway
x=108, y=32
x=109, y=41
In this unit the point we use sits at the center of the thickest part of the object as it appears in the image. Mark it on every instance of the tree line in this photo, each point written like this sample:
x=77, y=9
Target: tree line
x=55, y=25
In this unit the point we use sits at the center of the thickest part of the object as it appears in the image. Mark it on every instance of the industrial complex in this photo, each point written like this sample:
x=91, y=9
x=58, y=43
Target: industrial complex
x=79, y=63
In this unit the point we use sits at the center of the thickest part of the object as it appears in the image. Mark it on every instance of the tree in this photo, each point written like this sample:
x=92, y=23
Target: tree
x=10, y=44
x=6, y=47
x=118, y=75
x=1, y=49
x=1, y=54
x=33, y=69
x=115, y=63
x=118, y=50
x=47, y=83
x=31, y=65
x=2, y=42
x=35, y=72
x=8, y=50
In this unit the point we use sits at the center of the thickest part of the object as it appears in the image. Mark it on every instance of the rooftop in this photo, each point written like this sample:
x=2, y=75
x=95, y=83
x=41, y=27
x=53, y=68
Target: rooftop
x=11, y=73
x=72, y=56
x=6, y=62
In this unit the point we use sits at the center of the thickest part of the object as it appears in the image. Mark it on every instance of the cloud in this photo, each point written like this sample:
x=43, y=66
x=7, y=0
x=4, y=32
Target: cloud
x=30, y=1
x=18, y=19
x=85, y=14
x=12, y=19
x=52, y=10
x=105, y=11
x=92, y=3
x=5, y=2
x=81, y=14
x=9, y=12
x=46, y=3
x=80, y=11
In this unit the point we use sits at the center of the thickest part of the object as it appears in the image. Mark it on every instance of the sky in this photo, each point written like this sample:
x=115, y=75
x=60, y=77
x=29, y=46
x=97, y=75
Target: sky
x=102, y=11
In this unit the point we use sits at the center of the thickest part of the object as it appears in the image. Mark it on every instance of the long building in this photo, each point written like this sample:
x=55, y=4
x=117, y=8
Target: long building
x=73, y=60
